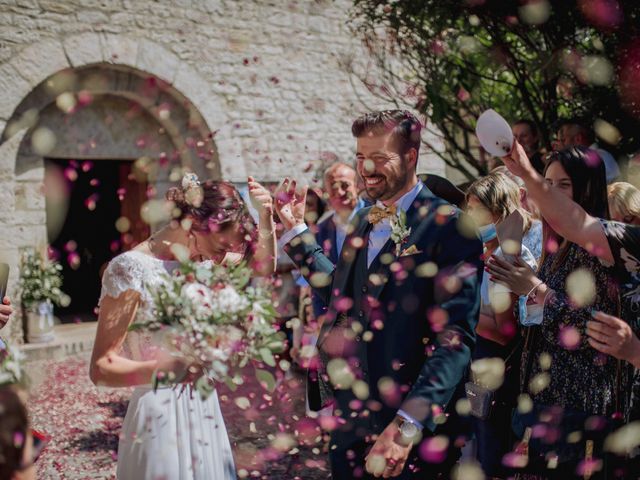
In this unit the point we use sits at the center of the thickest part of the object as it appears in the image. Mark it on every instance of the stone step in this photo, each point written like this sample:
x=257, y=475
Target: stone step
x=70, y=339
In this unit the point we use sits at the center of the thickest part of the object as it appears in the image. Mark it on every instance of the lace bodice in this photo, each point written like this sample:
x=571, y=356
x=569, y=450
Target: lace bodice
x=136, y=271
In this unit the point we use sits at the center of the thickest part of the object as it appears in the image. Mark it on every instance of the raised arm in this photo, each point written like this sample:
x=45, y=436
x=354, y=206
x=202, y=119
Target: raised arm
x=565, y=216
x=264, y=261
x=298, y=241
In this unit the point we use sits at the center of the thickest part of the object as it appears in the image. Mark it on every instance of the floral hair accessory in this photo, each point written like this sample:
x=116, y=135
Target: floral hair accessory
x=193, y=193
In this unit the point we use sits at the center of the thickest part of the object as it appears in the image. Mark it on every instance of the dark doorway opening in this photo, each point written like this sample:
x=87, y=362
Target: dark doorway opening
x=101, y=194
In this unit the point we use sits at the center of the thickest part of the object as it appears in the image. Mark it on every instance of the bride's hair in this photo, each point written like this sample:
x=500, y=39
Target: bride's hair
x=218, y=208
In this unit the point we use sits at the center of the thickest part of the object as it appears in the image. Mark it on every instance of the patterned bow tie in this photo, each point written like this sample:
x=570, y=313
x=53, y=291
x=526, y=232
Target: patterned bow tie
x=377, y=214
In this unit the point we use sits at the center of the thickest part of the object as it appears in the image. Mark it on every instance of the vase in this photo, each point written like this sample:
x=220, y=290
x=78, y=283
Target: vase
x=40, y=323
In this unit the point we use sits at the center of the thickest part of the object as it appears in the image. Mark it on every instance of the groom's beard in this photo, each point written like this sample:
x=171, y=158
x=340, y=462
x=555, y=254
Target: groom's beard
x=390, y=187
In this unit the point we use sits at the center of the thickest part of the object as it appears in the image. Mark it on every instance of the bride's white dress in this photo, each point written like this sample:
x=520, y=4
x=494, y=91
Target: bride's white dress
x=167, y=435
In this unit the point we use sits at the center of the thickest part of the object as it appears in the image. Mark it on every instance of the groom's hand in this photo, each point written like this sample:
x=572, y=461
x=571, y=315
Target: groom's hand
x=290, y=203
x=389, y=454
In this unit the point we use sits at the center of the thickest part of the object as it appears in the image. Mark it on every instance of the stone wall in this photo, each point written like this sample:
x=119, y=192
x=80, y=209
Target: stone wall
x=264, y=75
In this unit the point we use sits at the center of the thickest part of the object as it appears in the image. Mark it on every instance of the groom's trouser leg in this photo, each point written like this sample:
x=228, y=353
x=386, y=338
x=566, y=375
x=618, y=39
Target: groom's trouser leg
x=346, y=454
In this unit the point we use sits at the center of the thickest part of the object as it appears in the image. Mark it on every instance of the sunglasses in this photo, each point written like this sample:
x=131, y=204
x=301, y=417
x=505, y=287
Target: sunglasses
x=40, y=441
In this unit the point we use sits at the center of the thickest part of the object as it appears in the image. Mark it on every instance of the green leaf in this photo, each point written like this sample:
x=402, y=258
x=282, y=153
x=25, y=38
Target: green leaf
x=230, y=384
x=266, y=379
x=267, y=357
x=204, y=387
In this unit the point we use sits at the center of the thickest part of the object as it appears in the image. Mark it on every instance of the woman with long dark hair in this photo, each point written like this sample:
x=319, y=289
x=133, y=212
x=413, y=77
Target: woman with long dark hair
x=567, y=381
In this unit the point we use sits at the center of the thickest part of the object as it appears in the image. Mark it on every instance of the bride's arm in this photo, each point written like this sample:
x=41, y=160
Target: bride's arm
x=107, y=367
x=264, y=261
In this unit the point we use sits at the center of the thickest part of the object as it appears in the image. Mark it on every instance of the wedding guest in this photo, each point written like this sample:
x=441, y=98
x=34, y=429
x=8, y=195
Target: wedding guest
x=533, y=236
x=340, y=186
x=624, y=202
x=5, y=311
x=576, y=132
x=613, y=242
x=316, y=207
x=558, y=349
x=526, y=132
x=489, y=201
x=18, y=451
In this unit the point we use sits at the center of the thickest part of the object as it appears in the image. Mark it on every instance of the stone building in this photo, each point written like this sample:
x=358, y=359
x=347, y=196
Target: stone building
x=104, y=102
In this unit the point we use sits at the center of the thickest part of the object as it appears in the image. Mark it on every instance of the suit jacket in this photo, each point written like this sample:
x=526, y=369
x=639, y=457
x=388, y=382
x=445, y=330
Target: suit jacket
x=326, y=238
x=423, y=315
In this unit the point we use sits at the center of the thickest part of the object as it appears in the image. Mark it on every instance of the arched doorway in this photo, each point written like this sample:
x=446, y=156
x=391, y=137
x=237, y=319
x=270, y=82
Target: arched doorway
x=101, y=145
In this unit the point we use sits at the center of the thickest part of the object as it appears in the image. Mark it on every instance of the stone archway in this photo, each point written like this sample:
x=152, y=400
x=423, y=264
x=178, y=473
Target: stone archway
x=68, y=90
x=42, y=60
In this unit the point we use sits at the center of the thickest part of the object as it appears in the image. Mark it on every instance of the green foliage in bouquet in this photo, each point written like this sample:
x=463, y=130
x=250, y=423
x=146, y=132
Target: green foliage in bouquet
x=10, y=368
x=213, y=316
x=40, y=280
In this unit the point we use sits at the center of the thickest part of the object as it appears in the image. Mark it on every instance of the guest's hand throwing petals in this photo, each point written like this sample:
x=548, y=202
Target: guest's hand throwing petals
x=290, y=203
x=613, y=336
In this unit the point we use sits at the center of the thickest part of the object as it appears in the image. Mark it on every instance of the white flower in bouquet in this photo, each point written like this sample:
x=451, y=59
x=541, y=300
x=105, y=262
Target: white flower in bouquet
x=228, y=300
x=200, y=299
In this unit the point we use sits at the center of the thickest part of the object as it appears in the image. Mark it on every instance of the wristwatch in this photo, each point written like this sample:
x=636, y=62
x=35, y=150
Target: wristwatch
x=407, y=429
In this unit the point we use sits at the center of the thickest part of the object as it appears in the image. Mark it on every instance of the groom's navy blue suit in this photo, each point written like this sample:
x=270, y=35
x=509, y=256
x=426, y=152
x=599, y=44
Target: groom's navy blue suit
x=405, y=325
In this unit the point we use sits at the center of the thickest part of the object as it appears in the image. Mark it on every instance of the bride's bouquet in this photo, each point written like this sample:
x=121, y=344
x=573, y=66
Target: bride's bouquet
x=213, y=317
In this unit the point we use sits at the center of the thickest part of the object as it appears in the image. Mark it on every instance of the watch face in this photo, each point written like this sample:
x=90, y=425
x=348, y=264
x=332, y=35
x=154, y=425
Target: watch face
x=408, y=430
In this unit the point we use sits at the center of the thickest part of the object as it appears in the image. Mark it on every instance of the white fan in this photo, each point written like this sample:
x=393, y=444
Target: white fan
x=494, y=133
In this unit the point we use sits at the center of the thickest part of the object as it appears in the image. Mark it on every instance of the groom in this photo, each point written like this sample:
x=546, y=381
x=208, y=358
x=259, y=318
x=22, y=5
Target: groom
x=403, y=305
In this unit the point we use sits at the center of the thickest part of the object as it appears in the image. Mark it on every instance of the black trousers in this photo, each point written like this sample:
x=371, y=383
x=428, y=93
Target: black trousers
x=493, y=435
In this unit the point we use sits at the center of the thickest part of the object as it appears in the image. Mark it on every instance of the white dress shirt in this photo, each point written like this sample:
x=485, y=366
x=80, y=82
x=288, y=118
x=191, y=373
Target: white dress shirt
x=381, y=231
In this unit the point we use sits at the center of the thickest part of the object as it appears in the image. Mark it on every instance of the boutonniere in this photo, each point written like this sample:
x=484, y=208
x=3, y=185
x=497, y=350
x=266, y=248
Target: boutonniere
x=412, y=250
x=399, y=230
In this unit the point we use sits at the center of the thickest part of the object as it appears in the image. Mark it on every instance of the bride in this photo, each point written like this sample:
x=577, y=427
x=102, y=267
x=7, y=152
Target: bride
x=169, y=434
